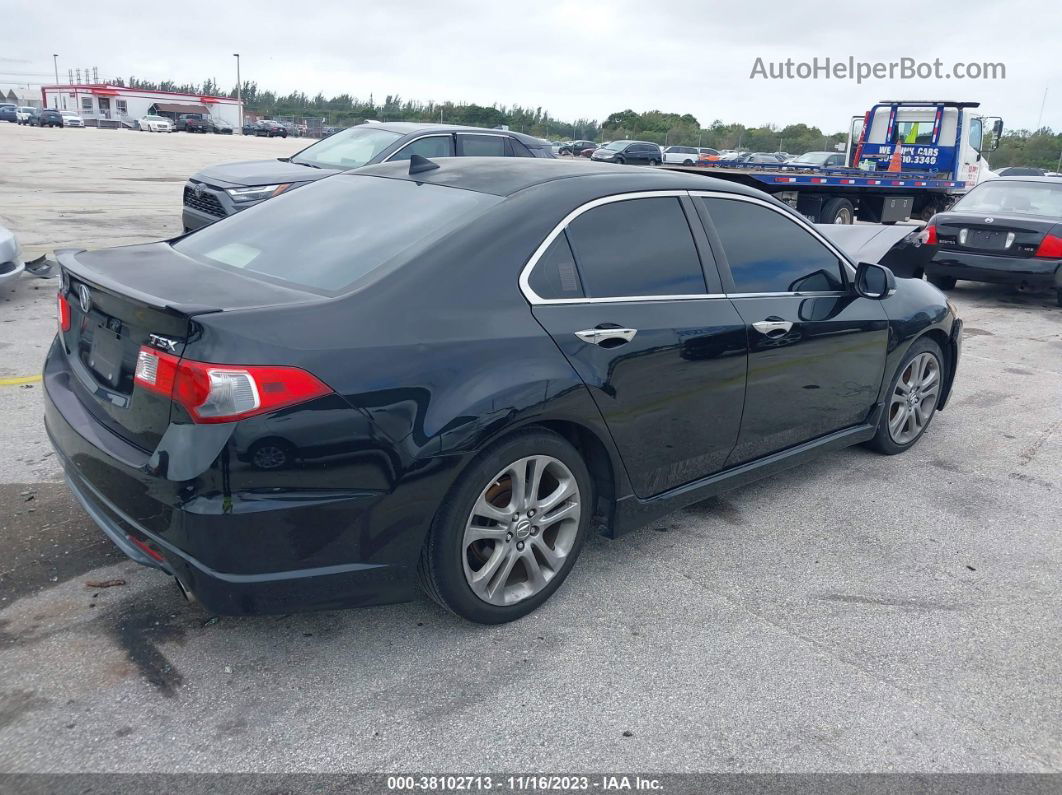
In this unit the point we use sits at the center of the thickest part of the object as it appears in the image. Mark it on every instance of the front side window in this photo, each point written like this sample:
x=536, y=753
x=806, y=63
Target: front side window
x=770, y=253
x=352, y=148
x=431, y=146
x=636, y=247
x=329, y=234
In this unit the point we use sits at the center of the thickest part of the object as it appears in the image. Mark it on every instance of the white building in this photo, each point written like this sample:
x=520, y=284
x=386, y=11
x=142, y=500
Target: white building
x=106, y=105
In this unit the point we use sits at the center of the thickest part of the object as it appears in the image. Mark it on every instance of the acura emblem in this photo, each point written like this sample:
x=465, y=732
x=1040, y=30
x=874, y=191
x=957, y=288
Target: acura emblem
x=84, y=298
x=989, y=220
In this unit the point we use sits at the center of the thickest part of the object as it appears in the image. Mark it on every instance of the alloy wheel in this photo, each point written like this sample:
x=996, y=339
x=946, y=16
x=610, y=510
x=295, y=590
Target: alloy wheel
x=914, y=398
x=521, y=529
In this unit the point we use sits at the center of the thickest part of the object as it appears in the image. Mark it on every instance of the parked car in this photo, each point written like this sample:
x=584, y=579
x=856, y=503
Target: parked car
x=71, y=119
x=181, y=124
x=222, y=190
x=9, y=112
x=249, y=128
x=222, y=127
x=819, y=160
x=267, y=128
x=11, y=263
x=151, y=123
x=630, y=152
x=1021, y=171
x=50, y=117
x=27, y=116
x=682, y=155
x=198, y=125
x=371, y=321
x=705, y=154
x=1004, y=231
x=577, y=147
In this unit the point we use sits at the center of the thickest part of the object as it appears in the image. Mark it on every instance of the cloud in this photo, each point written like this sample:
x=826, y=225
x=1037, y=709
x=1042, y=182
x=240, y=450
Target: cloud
x=575, y=60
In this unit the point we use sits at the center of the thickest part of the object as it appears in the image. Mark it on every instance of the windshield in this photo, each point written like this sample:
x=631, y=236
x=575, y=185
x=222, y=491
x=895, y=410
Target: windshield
x=815, y=158
x=1023, y=198
x=328, y=235
x=615, y=146
x=352, y=148
x=155, y=118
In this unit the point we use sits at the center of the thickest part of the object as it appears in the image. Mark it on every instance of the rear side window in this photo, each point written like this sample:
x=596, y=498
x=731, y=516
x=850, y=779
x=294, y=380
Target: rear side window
x=555, y=274
x=636, y=247
x=484, y=146
x=328, y=235
x=432, y=146
x=769, y=253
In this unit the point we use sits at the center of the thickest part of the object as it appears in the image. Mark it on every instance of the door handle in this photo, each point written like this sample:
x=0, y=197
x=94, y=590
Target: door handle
x=771, y=328
x=611, y=337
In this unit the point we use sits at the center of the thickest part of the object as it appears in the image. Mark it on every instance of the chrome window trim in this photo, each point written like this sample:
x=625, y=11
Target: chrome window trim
x=525, y=274
x=536, y=300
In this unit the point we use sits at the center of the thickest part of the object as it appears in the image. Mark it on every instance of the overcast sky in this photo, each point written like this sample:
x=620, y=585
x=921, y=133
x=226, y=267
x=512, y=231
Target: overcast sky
x=577, y=58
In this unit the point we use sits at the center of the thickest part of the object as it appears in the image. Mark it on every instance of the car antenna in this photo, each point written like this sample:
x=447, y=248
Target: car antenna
x=419, y=164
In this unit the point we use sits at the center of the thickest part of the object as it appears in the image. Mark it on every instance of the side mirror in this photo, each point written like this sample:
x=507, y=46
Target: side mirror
x=874, y=281
x=997, y=133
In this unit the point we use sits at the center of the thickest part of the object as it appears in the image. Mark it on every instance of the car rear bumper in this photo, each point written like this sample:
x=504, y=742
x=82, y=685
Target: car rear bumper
x=996, y=270
x=236, y=555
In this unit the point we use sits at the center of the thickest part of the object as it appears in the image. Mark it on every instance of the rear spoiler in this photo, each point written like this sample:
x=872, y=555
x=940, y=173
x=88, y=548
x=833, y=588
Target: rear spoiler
x=67, y=258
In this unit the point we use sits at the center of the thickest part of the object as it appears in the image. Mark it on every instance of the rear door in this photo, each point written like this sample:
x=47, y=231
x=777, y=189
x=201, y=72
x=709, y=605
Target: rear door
x=816, y=349
x=429, y=146
x=622, y=292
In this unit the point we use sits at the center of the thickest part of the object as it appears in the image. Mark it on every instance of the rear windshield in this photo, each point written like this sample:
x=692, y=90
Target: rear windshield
x=1023, y=198
x=329, y=234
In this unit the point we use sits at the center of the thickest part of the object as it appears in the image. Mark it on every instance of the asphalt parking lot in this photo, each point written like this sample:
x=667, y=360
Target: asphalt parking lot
x=862, y=613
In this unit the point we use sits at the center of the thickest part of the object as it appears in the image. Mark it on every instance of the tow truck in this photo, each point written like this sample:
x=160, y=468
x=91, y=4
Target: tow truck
x=904, y=159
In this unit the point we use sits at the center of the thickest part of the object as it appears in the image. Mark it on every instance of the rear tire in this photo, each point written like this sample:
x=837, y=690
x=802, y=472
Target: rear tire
x=687, y=162
x=653, y=162
x=943, y=282
x=489, y=557
x=1058, y=297
x=837, y=211
x=917, y=384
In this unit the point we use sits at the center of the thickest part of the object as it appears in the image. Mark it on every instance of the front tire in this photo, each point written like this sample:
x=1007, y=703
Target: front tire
x=912, y=399
x=511, y=529
x=943, y=282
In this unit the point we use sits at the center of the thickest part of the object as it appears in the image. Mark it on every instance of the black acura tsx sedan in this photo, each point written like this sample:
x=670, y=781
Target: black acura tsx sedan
x=448, y=373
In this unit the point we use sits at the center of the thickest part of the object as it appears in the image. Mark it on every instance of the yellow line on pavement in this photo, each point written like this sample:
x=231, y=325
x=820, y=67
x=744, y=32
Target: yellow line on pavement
x=29, y=379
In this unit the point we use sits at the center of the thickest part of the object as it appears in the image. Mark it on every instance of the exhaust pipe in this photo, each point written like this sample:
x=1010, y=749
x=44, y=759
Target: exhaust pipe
x=185, y=592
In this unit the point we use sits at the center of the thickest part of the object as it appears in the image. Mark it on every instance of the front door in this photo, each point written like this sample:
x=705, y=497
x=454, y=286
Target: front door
x=623, y=294
x=105, y=107
x=816, y=349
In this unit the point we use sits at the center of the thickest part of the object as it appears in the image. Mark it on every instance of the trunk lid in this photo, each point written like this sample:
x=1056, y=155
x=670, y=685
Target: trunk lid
x=124, y=298
x=997, y=234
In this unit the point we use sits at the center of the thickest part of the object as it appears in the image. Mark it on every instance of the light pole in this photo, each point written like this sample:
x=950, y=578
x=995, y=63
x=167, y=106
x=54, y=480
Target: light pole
x=239, y=90
x=55, y=63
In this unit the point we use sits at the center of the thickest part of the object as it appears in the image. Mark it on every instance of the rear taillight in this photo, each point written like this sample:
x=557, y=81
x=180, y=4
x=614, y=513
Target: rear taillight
x=1050, y=247
x=930, y=233
x=224, y=393
x=63, y=312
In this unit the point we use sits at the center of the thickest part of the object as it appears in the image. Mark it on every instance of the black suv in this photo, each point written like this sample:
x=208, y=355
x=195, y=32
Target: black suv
x=639, y=153
x=219, y=191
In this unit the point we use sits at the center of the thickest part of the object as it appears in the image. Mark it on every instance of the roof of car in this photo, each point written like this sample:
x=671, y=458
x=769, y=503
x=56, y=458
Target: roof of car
x=1029, y=178
x=504, y=176
x=407, y=127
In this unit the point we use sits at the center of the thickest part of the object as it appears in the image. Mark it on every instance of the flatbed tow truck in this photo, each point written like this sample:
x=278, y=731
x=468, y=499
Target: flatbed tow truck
x=905, y=159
